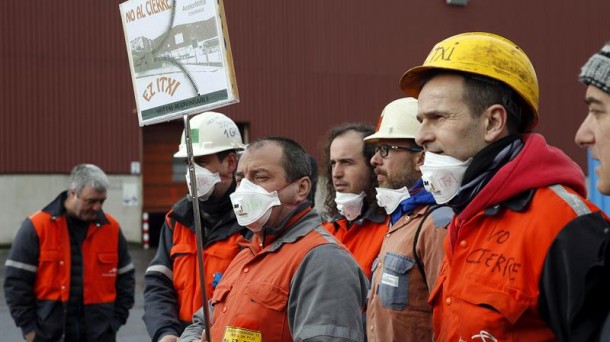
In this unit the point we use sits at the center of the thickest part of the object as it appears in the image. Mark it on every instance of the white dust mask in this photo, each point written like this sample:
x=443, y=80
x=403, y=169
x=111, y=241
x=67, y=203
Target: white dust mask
x=389, y=199
x=349, y=205
x=442, y=176
x=252, y=205
x=206, y=180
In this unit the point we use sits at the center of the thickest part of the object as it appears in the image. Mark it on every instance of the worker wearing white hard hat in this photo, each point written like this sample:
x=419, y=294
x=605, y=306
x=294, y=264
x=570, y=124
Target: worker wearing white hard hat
x=172, y=290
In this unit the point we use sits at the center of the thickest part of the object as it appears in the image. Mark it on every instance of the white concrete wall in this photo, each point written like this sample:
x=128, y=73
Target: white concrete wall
x=22, y=195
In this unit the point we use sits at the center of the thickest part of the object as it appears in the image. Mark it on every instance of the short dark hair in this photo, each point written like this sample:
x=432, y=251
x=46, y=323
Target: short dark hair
x=295, y=159
x=368, y=151
x=482, y=92
x=223, y=154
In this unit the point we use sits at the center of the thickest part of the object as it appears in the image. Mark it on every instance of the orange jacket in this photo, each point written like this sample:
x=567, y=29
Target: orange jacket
x=362, y=238
x=259, y=282
x=259, y=299
x=488, y=285
x=217, y=258
x=172, y=291
x=298, y=285
x=38, y=275
x=100, y=261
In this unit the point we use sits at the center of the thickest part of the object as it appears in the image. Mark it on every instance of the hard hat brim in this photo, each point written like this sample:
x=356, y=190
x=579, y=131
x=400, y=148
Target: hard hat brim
x=375, y=137
x=205, y=152
x=411, y=80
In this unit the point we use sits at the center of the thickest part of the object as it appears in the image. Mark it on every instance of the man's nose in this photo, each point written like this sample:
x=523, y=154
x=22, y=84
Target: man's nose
x=337, y=171
x=376, y=159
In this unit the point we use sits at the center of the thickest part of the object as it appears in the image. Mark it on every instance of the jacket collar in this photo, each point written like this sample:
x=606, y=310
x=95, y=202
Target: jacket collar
x=215, y=230
x=519, y=203
x=307, y=219
x=403, y=221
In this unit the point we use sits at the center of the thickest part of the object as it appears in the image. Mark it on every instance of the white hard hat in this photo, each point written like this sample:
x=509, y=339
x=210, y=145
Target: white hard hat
x=211, y=133
x=398, y=120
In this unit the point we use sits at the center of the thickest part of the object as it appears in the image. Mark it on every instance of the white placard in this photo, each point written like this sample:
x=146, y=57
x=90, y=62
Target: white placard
x=180, y=57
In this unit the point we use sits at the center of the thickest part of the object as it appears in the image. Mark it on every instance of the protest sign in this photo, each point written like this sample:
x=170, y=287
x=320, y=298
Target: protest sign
x=180, y=57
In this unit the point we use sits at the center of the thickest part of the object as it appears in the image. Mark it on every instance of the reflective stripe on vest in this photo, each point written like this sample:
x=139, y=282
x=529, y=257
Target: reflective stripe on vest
x=575, y=202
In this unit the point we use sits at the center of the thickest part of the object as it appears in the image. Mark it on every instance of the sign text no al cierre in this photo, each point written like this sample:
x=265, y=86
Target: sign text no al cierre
x=149, y=8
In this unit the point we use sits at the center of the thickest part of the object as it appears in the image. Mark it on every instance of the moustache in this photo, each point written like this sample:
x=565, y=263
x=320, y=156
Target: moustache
x=380, y=172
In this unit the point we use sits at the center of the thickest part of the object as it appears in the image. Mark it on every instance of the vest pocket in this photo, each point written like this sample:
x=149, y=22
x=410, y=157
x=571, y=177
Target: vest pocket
x=509, y=305
x=268, y=295
x=103, y=289
x=489, y=312
x=219, y=297
x=184, y=258
x=394, y=286
x=182, y=248
x=264, y=310
x=49, y=274
x=108, y=258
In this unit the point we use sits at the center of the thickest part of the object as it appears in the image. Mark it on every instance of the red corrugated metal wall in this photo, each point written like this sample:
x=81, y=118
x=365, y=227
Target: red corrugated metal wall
x=66, y=90
x=301, y=66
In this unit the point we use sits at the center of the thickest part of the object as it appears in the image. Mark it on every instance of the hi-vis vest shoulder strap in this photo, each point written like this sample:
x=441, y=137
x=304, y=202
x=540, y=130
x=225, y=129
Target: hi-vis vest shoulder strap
x=575, y=202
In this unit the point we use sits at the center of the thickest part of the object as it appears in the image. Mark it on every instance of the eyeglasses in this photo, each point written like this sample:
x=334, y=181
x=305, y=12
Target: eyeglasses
x=384, y=150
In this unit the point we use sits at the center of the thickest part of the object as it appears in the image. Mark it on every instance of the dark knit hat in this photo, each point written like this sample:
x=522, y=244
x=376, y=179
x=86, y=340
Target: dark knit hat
x=596, y=71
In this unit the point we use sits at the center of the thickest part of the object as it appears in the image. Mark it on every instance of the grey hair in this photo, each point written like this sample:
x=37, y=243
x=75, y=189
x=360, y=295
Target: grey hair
x=88, y=174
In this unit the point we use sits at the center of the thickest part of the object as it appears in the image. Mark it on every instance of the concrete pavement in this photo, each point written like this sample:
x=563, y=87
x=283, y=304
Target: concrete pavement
x=133, y=331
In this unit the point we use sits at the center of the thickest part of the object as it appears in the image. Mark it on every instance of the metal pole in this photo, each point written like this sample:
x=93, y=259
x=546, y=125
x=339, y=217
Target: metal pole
x=197, y=220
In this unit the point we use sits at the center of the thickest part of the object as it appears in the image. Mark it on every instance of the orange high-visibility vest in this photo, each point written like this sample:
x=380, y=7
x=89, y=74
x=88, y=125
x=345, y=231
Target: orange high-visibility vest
x=217, y=258
x=100, y=260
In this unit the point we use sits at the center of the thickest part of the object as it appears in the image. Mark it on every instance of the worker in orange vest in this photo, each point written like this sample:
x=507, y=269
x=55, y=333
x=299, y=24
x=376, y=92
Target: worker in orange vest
x=172, y=291
x=354, y=217
x=292, y=281
x=513, y=195
x=69, y=275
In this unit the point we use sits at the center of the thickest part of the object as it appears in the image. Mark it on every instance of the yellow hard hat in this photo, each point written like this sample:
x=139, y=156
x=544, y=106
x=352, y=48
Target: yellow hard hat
x=398, y=120
x=484, y=54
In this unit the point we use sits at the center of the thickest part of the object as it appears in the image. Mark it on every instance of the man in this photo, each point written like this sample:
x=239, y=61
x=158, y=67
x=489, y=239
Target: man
x=69, y=276
x=594, y=133
x=293, y=281
x=172, y=290
x=357, y=221
x=511, y=192
x=412, y=251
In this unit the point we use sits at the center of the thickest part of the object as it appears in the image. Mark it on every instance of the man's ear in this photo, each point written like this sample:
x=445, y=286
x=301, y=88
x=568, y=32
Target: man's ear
x=419, y=160
x=303, y=189
x=495, y=123
x=231, y=162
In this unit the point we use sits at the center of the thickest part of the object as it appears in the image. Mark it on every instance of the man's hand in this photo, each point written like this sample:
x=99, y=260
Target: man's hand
x=169, y=338
x=29, y=337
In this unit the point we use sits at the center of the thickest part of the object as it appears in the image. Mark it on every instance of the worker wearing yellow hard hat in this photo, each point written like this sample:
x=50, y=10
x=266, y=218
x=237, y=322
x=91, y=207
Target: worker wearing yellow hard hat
x=484, y=54
x=515, y=198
